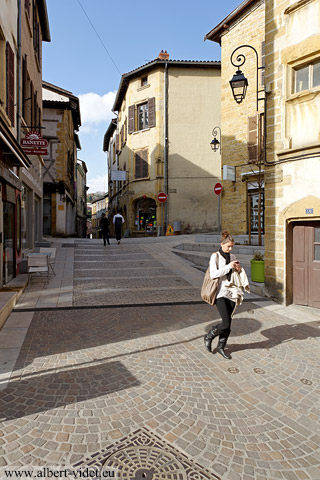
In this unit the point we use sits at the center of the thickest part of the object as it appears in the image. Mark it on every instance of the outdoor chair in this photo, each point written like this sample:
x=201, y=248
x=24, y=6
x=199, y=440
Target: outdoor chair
x=52, y=257
x=38, y=265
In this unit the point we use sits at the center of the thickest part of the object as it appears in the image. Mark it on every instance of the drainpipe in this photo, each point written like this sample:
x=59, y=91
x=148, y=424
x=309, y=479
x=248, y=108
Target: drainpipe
x=19, y=69
x=166, y=147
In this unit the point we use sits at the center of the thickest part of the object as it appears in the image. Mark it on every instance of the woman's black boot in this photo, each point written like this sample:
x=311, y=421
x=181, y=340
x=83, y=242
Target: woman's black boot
x=220, y=349
x=209, y=337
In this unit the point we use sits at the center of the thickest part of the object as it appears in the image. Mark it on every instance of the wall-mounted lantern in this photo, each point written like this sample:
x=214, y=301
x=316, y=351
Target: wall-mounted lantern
x=215, y=143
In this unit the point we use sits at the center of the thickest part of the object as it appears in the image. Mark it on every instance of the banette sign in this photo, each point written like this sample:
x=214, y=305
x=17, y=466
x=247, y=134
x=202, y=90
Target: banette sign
x=34, y=144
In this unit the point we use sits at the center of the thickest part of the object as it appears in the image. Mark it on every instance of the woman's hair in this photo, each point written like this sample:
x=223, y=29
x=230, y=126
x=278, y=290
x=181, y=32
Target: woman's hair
x=226, y=237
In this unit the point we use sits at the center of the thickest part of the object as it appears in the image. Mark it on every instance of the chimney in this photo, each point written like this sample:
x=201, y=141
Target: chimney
x=163, y=55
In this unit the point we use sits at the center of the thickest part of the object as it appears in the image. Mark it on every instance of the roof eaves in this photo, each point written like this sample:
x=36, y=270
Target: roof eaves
x=215, y=34
x=111, y=128
x=157, y=62
x=44, y=21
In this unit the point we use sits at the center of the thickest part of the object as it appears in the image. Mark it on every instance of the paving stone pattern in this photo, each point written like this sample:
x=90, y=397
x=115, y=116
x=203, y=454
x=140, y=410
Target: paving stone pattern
x=123, y=274
x=86, y=379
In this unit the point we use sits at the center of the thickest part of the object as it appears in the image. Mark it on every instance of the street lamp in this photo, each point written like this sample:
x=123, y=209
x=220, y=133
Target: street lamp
x=239, y=85
x=239, y=82
x=215, y=143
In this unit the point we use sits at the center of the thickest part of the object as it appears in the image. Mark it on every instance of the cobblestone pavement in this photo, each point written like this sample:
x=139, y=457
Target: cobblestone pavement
x=88, y=377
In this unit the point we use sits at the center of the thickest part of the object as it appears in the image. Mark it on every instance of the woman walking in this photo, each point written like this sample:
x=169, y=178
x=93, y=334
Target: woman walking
x=222, y=263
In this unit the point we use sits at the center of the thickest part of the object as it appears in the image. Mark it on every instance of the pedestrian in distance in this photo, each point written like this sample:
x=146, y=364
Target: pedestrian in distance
x=222, y=264
x=118, y=220
x=104, y=226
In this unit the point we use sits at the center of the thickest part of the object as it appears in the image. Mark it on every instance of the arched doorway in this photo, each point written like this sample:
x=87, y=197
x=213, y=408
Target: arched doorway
x=146, y=215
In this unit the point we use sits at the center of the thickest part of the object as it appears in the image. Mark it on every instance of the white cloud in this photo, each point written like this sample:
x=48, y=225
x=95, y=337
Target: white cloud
x=95, y=109
x=98, y=184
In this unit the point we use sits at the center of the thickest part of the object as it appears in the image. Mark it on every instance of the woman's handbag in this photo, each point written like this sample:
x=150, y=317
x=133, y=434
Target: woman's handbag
x=210, y=286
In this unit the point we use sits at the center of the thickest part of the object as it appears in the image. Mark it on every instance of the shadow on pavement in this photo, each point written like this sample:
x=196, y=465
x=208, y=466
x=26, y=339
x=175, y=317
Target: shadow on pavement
x=41, y=392
x=279, y=335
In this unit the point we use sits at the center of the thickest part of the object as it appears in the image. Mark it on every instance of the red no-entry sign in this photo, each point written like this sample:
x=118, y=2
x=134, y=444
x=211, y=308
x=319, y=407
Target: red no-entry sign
x=162, y=197
x=217, y=188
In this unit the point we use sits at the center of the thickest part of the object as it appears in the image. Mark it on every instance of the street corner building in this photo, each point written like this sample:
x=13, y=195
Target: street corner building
x=160, y=144
x=270, y=139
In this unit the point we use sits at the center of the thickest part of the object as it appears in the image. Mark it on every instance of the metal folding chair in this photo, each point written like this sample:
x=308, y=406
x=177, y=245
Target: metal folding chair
x=38, y=265
x=52, y=257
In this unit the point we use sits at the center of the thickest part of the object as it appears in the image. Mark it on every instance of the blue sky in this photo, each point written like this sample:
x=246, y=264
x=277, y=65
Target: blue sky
x=94, y=41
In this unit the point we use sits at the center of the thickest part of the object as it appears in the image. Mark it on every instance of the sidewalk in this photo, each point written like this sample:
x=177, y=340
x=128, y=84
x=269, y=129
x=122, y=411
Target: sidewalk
x=107, y=366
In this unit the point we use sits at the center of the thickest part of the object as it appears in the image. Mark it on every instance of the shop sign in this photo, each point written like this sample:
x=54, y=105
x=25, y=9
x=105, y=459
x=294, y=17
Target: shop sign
x=34, y=144
x=34, y=140
x=35, y=151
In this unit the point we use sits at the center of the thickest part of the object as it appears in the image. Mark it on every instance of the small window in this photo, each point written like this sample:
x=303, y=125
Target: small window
x=143, y=116
x=144, y=81
x=307, y=77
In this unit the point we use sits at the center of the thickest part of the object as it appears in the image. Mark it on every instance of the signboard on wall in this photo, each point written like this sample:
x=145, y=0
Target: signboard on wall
x=118, y=175
x=229, y=173
x=34, y=144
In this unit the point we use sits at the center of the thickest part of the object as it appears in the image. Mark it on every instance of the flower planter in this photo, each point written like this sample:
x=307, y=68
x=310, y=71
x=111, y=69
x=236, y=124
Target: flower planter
x=257, y=271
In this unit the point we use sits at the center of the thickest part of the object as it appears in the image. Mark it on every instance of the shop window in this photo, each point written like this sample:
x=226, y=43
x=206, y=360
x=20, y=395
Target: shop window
x=253, y=197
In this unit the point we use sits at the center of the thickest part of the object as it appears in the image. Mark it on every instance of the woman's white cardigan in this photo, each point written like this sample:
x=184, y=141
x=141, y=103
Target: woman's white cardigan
x=220, y=272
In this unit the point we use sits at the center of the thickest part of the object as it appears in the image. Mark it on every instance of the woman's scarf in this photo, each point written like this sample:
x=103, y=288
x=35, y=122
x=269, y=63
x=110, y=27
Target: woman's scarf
x=226, y=256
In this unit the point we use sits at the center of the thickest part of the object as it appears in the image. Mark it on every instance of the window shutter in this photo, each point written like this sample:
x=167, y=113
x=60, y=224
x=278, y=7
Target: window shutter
x=138, y=165
x=24, y=86
x=263, y=61
x=152, y=112
x=131, y=119
x=121, y=137
x=117, y=143
x=261, y=136
x=10, y=83
x=144, y=163
x=141, y=167
x=252, y=139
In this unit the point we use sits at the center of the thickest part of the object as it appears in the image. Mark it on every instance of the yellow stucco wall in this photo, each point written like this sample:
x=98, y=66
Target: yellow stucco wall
x=193, y=111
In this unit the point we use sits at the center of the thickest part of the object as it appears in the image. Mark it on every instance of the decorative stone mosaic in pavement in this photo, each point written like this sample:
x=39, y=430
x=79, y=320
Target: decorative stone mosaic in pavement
x=125, y=274
x=142, y=455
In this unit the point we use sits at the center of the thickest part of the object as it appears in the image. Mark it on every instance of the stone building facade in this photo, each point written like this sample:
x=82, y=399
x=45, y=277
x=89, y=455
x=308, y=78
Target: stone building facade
x=23, y=28
x=292, y=239
x=242, y=124
x=166, y=112
x=61, y=118
x=81, y=199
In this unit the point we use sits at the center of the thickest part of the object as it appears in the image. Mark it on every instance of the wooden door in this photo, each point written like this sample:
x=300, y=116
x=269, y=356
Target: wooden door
x=306, y=264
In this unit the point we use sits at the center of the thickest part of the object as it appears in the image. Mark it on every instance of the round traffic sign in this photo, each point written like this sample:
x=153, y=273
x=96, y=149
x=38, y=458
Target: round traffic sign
x=217, y=188
x=162, y=197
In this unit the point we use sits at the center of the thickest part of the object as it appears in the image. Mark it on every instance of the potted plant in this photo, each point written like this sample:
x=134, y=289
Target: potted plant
x=257, y=268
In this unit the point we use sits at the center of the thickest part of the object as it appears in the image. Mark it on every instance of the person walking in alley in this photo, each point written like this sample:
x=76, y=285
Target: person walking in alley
x=118, y=220
x=104, y=225
x=221, y=265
